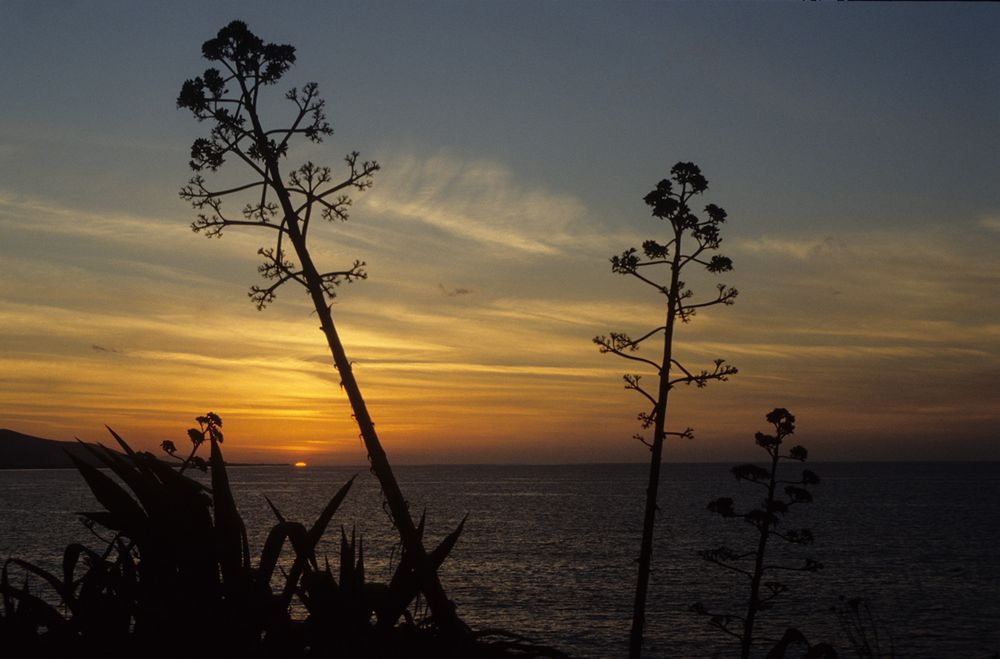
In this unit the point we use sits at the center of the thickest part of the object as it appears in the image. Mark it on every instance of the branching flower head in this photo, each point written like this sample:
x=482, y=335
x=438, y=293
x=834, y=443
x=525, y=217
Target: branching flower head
x=767, y=519
x=252, y=57
x=689, y=174
x=782, y=419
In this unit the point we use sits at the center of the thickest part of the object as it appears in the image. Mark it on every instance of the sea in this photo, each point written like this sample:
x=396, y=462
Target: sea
x=549, y=552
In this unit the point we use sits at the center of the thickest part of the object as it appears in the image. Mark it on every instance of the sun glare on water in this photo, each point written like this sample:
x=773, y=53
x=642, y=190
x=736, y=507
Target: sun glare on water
x=300, y=464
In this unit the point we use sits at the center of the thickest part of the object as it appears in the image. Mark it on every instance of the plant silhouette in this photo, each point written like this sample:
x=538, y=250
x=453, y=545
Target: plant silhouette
x=286, y=205
x=175, y=578
x=863, y=630
x=690, y=240
x=781, y=495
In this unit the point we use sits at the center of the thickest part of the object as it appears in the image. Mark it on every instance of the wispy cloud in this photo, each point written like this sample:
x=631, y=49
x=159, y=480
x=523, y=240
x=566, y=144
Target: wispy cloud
x=476, y=200
x=800, y=248
x=45, y=216
x=453, y=339
x=992, y=223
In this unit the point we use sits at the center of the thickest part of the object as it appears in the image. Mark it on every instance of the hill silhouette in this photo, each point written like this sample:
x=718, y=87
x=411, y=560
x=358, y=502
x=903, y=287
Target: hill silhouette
x=20, y=451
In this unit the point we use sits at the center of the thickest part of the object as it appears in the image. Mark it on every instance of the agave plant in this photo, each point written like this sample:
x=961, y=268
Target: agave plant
x=175, y=577
x=176, y=572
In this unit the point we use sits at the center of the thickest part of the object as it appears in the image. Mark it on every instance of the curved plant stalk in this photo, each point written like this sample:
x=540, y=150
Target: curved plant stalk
x=284, y=205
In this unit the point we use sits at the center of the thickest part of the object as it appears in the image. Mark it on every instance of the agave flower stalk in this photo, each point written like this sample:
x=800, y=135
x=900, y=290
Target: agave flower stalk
x=286, y=206
x=690, y=240
x=781, y=495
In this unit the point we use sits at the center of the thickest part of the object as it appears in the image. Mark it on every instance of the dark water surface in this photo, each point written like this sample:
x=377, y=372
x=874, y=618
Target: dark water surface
x=548, y=551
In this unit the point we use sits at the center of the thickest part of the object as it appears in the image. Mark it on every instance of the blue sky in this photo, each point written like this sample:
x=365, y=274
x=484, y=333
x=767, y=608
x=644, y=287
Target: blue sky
x=854, y=147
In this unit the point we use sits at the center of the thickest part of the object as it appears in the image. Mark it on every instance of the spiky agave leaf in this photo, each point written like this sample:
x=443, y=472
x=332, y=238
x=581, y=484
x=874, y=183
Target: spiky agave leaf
x=346, y=557
x=420, y=526
x=121, y=442
x=312, y=539
x=405, y=583
x=233, y=552
x=319, y=526
x=143, y=485
x=440, y=553
x=294, y=532
x=274, y=509
x=65, y=593
x=126, y=514
x=38, y=612
x=359, y=567
x=71, y=556
x=403, y=587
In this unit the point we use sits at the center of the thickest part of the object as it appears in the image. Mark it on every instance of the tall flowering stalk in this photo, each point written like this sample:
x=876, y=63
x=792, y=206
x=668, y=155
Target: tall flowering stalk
x=780, y=496
x=286, y=206
x=690, y=241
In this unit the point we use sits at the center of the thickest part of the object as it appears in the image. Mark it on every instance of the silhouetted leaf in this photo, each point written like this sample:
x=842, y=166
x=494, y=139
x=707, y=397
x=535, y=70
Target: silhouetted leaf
x=228, y=524
x=61, y=589
x=41, y=613
x=128, y=513
x=441, y=552
x=71, y=557
x=273, y=545
x=274, y=509
x=319, y=526
x=346, y=556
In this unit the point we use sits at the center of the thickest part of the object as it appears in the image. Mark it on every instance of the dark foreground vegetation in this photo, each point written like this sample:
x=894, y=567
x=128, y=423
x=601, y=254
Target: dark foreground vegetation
x=173, y=576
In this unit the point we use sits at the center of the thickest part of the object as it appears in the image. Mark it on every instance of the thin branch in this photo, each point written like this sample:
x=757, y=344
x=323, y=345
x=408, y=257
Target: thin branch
x=648, y=334
x=222, y=193
x=633, y=384
x=659, y=287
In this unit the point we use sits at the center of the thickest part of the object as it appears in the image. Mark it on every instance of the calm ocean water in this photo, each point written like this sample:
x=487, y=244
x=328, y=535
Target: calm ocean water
x=548, y=551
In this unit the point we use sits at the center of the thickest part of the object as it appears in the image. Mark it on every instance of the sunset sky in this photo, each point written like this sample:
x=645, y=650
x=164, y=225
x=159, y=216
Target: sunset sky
x=855, y=148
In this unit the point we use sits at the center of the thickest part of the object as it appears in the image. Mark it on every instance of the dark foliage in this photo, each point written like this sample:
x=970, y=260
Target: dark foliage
x=175, y=578
x=862, y=629
x=780, y=497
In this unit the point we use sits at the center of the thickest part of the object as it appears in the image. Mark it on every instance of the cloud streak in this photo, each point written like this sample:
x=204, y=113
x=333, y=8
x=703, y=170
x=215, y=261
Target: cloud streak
x=827, y=322
x=478, y=201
